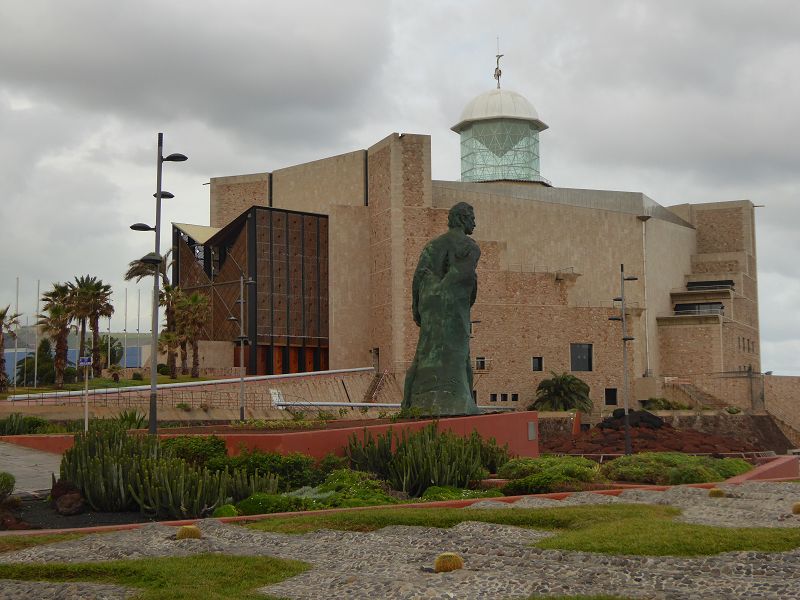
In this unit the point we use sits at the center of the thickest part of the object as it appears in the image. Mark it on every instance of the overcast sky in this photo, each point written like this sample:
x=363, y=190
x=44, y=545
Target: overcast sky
x=684, y=100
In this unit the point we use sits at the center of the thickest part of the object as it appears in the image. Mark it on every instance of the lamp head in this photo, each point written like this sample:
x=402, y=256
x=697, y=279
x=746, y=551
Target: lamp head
x=142, y=227
x=175, y=157
x=151, y=258
x=164, y=194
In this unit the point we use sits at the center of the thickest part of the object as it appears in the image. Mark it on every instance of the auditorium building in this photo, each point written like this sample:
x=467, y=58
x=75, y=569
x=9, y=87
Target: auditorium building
x=328, y=250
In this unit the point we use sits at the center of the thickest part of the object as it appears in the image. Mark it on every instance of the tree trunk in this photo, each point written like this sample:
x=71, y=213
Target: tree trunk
x=82, y=341
x=97, y=368
x=195, y=358
x=60, y=362
x=171, y=354
x=184, y=358
x=3, y=375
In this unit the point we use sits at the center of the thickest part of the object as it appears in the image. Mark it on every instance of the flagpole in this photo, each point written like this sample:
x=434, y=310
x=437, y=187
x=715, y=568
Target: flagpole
x=125, y=334
x=138, y=337
x=16, y=337
x=36, y=349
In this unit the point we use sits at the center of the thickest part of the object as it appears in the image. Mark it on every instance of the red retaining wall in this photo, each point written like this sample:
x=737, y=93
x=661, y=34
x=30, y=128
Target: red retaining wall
x=513, y=428
x=780, y=467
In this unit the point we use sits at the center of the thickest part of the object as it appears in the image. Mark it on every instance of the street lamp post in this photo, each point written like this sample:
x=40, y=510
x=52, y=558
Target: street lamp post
x=242, y=338
x=155, y=259
x=625, y=339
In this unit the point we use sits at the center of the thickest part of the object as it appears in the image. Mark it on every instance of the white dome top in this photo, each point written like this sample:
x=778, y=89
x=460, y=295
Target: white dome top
x=499, y=104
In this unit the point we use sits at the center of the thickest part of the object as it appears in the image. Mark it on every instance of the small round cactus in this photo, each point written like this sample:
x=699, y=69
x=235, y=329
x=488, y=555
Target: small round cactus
x=716, y=493
x=448, y=561
x=187, y=532
x=796, y=508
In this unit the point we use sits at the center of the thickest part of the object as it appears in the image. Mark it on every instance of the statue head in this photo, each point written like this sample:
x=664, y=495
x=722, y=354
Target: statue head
x=462, y=216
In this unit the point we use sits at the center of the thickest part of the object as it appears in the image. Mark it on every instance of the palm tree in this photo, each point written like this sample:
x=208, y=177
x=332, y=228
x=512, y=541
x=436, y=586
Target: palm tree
x=169, y=298
x=168, y=342
x=139, y=270
x=55, y=321
x=99, y=305
x=193, y=312
x=8, y=324
x=562, y=392
x=80, y=305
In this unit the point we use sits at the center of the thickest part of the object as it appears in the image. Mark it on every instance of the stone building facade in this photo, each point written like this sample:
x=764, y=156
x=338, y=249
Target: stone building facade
x=549, y=271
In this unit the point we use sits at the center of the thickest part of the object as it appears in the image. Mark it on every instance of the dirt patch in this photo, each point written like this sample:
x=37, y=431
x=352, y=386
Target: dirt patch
x=664, y=438
x=37, y=513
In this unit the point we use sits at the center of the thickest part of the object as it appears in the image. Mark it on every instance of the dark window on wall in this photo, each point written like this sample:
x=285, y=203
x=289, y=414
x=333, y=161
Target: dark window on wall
x=611, y=396
x=515, y=397
x=580, y=357
x=492, y=397
x=475, y=396
x=480, y=363
x=537, y=364
x=503, y=397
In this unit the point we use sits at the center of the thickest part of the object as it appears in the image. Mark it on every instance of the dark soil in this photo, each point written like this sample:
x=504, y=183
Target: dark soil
x=38, y=514
x=645, y=439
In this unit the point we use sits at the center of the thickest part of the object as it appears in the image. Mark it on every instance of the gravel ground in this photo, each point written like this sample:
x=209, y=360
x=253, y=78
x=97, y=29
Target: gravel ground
x=394, y=563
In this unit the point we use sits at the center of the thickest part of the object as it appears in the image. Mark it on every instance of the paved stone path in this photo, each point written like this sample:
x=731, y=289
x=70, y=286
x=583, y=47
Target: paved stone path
x=394, y=563
x=31, y=468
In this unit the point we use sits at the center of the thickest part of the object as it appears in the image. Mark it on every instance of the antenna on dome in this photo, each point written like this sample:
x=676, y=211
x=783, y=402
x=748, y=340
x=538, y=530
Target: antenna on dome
x=497, y=71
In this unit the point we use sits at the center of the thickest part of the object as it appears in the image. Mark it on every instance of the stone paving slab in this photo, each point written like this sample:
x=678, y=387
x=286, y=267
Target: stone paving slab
x=31, y=468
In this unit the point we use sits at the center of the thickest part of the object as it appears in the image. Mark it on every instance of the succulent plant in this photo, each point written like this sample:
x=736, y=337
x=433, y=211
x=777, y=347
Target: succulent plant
x=448, y=561
x=716, y=493
x=796, y=508
x=188, y=532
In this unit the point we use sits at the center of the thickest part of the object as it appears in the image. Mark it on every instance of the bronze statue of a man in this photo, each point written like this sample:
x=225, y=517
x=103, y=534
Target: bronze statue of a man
x=439, y=381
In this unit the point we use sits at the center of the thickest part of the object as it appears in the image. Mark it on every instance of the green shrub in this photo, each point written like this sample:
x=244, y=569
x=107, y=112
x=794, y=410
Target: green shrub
x=226, y=510
x=672, y=468
x=18, y=424
x=568, y=467
x=183, y=406
x=261, y=504
x=424, y=458
x=294, y=470
x=733, y=410
x=663, y=404
x=70, y=375
x=538, y=483
x=196, y=449
x=131, y=419
x=437, y=493
x=329, y=464
x=137, y=376
x=345, y=488
x=162, y=369
x=7, y=482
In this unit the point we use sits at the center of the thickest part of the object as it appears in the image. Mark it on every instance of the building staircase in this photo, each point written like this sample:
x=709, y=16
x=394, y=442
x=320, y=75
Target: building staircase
x=695, y=396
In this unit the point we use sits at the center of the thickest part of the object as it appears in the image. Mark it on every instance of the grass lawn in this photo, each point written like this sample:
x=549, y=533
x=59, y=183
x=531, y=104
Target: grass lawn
x=608, y=529
x=18, y=542
x=208, y=576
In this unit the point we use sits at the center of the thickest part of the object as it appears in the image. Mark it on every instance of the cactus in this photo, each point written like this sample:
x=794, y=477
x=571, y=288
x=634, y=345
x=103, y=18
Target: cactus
x=101, y=465
x=188, y=532
x=716, y=493
x=371, y=455
x=241, y=485
x=7, y=482
x=169, y=487
x=448, y=561
x=796, y=508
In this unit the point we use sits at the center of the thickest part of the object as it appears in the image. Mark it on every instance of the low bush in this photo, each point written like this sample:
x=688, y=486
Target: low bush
x=673, y=468
x=196, y=449
x=226, y=510
x=548, y=474
x=137, y=376
x=425, y=458
x=7, y=482
x=663, y=404
x=261, y=504
x=733, y=410
x=438, y=493
x=294, y=470
x=347, y=489
x=162, y=369
x=18, y=424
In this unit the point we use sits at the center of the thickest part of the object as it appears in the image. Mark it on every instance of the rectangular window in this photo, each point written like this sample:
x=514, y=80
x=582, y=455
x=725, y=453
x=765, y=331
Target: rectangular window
x=475, y=396
x=536, y=363
x=480, y=363
x=503, y=397
x=580, y=357
x=492, y=397
x=515, y=397
x=611, y=396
